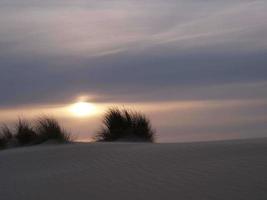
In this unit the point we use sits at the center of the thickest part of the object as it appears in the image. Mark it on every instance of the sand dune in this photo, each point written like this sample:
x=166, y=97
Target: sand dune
x=210, y=170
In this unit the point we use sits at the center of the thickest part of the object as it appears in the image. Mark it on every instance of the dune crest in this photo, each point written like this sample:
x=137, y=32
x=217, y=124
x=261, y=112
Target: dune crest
x=204, y=170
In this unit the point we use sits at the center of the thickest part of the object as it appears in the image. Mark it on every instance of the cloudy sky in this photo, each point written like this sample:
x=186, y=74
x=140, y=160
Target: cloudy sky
x=197, y=68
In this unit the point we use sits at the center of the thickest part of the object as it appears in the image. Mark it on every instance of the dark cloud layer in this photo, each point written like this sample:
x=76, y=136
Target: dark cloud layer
x=36, y=81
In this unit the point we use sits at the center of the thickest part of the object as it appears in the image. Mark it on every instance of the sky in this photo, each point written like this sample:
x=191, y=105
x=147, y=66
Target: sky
x=196, y=68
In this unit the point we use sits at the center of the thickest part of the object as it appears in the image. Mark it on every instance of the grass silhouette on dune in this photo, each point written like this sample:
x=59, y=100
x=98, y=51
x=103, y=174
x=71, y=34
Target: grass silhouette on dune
x=5, y=136
x=125, y=125
x=118, y=125
x=26, y=133
x=49, y=129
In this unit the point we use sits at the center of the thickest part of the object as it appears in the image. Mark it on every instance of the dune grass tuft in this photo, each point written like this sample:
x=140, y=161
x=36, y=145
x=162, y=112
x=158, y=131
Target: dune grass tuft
x=125, y=125
x=5, y=136
x=42, y=130
x=3, y=141
x=49, y=128
x=25, y=133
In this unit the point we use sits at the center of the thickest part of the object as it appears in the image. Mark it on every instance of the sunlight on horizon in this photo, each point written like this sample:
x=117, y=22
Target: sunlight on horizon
x=194, y=119
x=83, y=109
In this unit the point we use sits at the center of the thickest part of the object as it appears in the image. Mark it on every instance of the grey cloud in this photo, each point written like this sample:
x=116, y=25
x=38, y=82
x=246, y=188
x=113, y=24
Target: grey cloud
x=140, y=77
x=51, y=51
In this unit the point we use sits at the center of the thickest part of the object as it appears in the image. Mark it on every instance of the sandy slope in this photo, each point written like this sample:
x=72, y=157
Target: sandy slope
x=215, y=170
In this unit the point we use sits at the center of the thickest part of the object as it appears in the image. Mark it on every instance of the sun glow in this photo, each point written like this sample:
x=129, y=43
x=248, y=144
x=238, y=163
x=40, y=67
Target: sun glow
x=82, y=109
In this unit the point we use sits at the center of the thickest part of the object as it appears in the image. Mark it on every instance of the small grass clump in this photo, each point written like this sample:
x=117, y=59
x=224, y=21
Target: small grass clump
x=3, y=141
x=5, y=136
x=49, y=129
x=43, y=129
x=125, y=125
x=25, y=133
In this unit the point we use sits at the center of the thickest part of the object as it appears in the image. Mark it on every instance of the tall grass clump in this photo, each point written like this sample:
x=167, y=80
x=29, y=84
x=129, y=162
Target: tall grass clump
x=48, y=128
x=125, y=125
x=5, y=136
x=25, y=133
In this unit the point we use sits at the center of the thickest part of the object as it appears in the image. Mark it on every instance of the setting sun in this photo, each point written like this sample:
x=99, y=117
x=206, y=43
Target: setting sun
x=82, y=109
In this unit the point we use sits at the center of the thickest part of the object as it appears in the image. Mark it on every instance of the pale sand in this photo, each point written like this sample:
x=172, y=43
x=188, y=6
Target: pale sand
x=229, y=170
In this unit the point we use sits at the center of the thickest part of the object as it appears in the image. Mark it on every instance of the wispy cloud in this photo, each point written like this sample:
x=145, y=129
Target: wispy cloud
x=77, y=30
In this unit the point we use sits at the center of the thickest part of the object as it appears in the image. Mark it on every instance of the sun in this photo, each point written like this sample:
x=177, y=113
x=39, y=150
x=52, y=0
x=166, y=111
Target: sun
x=82, y=109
